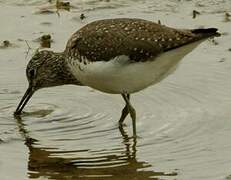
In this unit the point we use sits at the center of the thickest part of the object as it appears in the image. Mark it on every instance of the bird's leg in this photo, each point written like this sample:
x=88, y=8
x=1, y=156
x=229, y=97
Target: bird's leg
x=125, y=112
x=131, y=110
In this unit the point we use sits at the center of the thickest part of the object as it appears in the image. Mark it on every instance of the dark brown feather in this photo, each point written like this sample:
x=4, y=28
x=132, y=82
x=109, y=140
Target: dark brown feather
x=139, y=39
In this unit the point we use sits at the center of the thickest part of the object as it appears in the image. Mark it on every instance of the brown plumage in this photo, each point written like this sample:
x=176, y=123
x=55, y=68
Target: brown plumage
x=139, y=39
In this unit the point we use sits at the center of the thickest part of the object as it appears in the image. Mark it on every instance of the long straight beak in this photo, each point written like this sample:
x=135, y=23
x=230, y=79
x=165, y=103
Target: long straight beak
x=29, y=92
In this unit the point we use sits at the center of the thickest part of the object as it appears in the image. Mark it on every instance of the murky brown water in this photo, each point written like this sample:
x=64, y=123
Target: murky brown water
x=70, y=132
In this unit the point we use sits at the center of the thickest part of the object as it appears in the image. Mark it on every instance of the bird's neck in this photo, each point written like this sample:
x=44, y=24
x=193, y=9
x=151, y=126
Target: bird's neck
x=64, y=74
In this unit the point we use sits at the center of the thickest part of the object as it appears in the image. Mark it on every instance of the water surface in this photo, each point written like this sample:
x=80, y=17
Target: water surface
x=70, y=132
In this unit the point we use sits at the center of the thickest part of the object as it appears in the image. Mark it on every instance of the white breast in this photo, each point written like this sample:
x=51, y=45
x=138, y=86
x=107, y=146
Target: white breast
x=120, y=75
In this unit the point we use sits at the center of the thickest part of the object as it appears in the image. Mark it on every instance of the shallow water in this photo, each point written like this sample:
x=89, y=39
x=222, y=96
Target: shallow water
x=70, y=132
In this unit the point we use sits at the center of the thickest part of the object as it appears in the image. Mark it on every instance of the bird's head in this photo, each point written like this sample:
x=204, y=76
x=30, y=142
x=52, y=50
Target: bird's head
x=45, y=69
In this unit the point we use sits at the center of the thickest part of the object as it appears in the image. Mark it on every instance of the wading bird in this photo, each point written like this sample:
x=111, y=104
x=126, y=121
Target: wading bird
x=116, y=56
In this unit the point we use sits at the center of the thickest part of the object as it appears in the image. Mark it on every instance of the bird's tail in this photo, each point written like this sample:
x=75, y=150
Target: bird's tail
x=206, y=32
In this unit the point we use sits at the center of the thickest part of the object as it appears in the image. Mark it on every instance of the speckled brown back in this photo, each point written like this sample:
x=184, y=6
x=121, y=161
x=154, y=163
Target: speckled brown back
x=139, y=39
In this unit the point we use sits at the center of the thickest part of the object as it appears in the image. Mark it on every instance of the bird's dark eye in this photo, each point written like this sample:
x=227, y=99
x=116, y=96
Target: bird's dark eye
x=32, y=72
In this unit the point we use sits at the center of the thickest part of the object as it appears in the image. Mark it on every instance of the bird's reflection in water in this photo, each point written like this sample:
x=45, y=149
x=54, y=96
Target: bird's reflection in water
x=42, y=163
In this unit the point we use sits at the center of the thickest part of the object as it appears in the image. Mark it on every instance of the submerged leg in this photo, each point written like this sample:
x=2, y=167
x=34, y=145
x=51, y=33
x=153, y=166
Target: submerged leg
x=132, y=112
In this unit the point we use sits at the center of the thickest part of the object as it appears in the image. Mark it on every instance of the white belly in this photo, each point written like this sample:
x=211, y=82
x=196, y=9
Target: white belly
x=120, y=75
